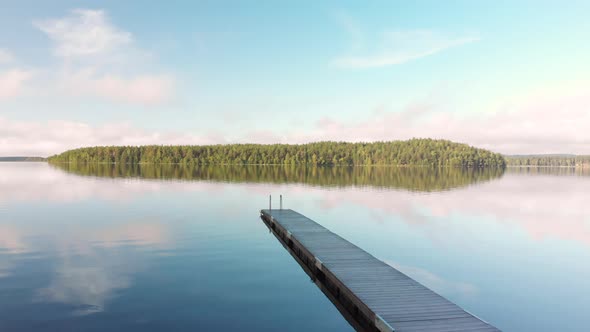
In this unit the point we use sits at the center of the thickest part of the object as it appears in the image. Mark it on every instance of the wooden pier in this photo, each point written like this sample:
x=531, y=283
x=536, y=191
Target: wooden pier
x=373, y=294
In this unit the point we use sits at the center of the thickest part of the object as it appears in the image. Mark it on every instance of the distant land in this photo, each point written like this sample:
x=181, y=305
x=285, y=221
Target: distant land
x=553, y=160
x=414, y=152
x=22, y=159
x=419, y=152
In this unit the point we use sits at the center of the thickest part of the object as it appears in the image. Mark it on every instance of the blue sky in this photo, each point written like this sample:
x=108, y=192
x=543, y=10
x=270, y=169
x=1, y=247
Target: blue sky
x=512, y=77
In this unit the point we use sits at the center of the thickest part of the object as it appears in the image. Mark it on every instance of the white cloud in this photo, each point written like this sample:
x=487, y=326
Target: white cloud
x=47, y=138
x=535, y=124
x=5, y=56
x=84, y=32
x=402, y=46
x=146, y=89
x=12, y=82
x=352, y=28
x=544, y=122
x=100, y=60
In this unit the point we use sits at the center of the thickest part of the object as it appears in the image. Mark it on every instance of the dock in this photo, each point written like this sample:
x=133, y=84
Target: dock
x=372, y=295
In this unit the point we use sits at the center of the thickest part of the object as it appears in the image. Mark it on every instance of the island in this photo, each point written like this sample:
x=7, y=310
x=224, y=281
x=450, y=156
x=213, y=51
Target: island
x=413, y=152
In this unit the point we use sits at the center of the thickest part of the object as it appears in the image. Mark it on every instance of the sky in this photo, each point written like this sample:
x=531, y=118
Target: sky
x=510, y=76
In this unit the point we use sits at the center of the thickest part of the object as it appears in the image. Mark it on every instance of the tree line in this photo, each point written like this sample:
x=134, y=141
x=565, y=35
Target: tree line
x=549, y=160
x=417, y=152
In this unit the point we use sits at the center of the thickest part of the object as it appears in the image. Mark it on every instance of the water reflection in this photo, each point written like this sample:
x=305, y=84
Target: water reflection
x=436, y=282
x=546, y=207
x=533, y=188
x=535, y=211
x=81, y=253
x=11, y=240
x=91, y=262
x=163, y=244
x=556, y=171
x=409, y=178
x=86, y=282
x=37, y=182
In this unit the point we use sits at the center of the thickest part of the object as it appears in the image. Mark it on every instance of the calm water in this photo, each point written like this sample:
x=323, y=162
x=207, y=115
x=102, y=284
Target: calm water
x=178, y=249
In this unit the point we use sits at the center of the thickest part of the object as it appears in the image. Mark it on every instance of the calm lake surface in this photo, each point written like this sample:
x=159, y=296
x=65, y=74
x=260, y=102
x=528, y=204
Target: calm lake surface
x=171, y=248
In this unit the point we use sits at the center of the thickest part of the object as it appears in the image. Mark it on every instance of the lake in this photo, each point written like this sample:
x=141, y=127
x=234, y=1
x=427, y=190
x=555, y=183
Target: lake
x=172, y=248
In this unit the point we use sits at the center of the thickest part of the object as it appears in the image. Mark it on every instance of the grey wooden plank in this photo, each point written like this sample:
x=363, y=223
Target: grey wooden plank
x=403, y=303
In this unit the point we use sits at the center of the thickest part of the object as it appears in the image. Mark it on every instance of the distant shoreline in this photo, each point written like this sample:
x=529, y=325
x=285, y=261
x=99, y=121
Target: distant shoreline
x=22, y=159
x=575, y=161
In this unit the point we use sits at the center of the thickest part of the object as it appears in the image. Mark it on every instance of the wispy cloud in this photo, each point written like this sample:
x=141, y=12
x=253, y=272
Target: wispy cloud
x=46, y=138
x=84, y=32
x=6, y=56
x=100, y=60
x=537, y=123
x=400, y=46
x=12, y=82
x=546, y=121
x=352, y=28
x=144, y=89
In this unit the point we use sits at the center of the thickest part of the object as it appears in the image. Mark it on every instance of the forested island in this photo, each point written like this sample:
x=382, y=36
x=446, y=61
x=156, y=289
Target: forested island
x=551, y=160
x=414, y=152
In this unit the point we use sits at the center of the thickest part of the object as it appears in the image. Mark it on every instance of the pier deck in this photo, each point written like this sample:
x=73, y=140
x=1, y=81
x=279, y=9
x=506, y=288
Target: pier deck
x=378, y=296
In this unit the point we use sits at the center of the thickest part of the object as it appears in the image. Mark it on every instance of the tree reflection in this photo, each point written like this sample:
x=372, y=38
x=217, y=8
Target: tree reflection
x=408, y=178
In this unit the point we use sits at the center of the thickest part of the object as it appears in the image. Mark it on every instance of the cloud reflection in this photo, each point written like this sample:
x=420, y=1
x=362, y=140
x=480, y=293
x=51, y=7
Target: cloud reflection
x=11, y=239
x=30, y=182
x=91, y=264
x=436, y=282
x=88, y=282
x=97, y=262
x=545, y=207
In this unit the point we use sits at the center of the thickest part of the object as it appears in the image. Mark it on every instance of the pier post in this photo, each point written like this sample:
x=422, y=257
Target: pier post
x=281, y=202
x=270, y=202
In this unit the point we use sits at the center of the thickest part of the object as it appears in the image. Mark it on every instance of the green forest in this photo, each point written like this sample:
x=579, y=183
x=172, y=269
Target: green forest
x=548, y=160
x=416, y=152
x=408, y=178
